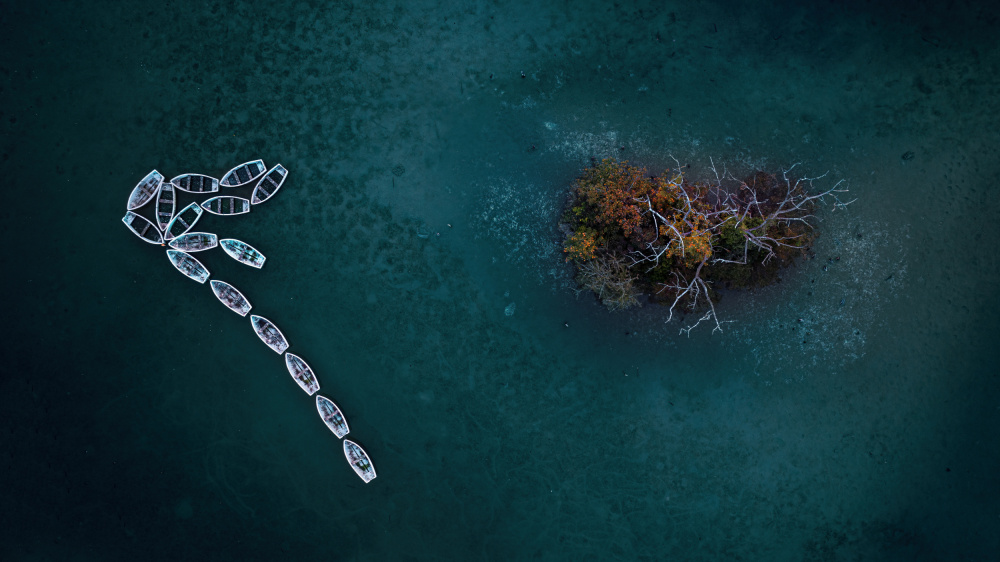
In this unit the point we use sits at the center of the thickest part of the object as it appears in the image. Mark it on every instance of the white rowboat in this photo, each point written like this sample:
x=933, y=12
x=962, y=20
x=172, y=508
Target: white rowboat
x=302, y=374
x=359, y=460
x=196, y=183
x=182, y=222
x=231, y=297
x=226, y=205
x=143, y=228
x=188, y=265
x=269, y=184
x=166, y=204
x=145, y=190
x=332, y=416
x=269, y=333
x=243, y=174
x=195, y=241
x=243, y=252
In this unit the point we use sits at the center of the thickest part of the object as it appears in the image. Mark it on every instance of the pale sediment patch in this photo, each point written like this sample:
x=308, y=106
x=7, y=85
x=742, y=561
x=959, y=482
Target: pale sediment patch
x=823, y=318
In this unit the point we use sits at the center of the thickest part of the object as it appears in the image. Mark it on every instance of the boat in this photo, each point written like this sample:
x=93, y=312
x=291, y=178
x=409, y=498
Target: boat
x=195, y=241
x=269, y=333
x=188, y=265
x=145, y=190
x=166, y=204
x=143, y=228
x=182, y=222
x=269, y=184
x=243, y=252
x=331, y=415
x=243, y=174
x=359, y=460
x=226, y=205
x=196, y=183
x=302, y=374
x=231, y=297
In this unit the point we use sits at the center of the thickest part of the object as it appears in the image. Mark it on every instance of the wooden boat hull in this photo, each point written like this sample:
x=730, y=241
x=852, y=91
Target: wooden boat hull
x=243, y=252
x=332, y=416
x=243, y=174
x=231, y=297
x=195, y=183
x=166, y=204
x=226, y=205
x=143, y=228
x=269, y=333
x=302, y=374
x=183, y=222
x=188, y=265
x=359, y=461
x=145, y=190
x=195, y=242
x=269, y=184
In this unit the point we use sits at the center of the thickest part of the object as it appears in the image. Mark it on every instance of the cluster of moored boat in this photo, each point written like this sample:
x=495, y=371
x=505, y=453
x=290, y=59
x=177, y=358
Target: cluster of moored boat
x=173, y=228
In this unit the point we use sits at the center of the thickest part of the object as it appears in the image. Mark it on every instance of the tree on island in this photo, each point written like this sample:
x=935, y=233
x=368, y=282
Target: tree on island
x=628, y=233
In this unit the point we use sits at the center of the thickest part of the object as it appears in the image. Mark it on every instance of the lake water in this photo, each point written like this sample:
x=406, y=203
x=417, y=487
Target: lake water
x=848, y=413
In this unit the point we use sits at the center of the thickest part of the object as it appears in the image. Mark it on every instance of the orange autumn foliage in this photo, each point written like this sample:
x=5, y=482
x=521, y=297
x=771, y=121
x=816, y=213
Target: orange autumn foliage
x=610, y=191
x=615, y=198
x=582, y=245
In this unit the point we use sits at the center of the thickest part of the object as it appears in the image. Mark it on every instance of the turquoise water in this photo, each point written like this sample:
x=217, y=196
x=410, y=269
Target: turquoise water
x=848, y=413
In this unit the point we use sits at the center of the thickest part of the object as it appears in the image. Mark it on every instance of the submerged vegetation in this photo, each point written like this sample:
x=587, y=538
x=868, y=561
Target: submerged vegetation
x=630, y=233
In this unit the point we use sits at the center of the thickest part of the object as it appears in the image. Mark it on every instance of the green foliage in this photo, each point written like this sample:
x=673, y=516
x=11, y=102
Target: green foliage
x=731, y=235
x=661, y=273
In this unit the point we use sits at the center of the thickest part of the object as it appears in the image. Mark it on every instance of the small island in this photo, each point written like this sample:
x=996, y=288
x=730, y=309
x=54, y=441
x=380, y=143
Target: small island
x=629, y=233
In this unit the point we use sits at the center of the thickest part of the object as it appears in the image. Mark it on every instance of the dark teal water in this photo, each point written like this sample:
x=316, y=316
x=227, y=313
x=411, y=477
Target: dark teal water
x=849, y=413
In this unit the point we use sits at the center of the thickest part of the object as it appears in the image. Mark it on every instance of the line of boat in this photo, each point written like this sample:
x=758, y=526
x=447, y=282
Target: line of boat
x=145, y=190
x=175, y=228
x=243, y=252
x=269, y=333
x=303, y=375
x=188, y=265
x=269, y=184
x=183, y=221
x=243, y=174
x=231, y=297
